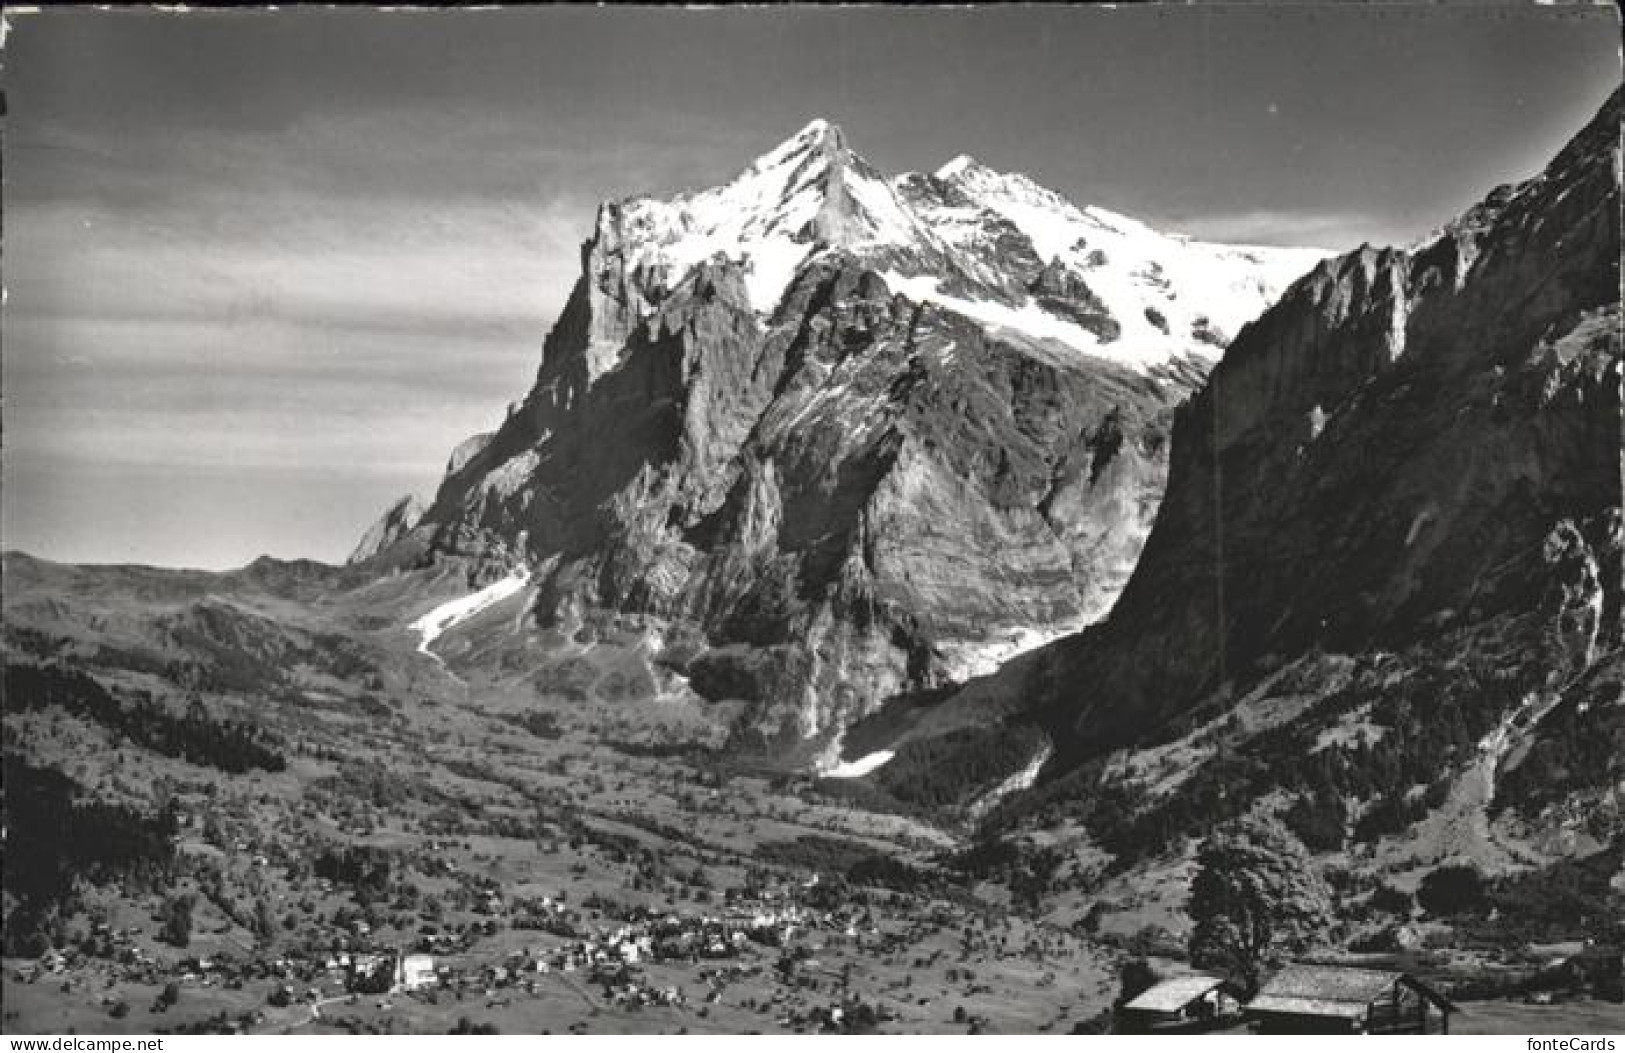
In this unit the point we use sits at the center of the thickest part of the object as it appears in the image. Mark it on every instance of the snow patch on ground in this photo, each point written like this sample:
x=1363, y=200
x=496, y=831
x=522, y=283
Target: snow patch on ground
x=1162, y=289
x=1021, y=780
x=862, y=766
x=967, y=659
x=432, y=625
x=1028, y=319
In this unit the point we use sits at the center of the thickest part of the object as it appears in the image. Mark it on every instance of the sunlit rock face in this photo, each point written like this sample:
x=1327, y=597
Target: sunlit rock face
x=396, y=523
x=860, y=436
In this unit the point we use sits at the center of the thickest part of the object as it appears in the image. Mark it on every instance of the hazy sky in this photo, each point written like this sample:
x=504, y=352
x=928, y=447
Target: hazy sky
x=263, y=270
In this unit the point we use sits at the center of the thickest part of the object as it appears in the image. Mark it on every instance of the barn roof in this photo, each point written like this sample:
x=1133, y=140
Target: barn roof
x=1170, y=996
x=1330, y=983
x=1332, y=990
x=1293, y=1006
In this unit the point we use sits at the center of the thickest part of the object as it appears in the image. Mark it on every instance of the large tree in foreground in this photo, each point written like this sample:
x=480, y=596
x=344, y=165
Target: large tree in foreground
x=1255, y=900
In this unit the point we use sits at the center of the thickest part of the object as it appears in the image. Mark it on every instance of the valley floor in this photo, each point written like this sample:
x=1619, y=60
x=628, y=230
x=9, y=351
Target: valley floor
x=562, y=862
x=536, y=815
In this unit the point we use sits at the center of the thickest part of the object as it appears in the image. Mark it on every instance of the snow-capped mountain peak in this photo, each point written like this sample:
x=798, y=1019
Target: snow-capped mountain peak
x=993, y=246
x=818, y=414
x=1099, y=282
x=818, y=136
x=807, y=193
x=956, y=167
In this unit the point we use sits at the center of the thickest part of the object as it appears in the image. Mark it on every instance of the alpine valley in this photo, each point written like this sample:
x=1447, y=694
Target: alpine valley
x=883, y=591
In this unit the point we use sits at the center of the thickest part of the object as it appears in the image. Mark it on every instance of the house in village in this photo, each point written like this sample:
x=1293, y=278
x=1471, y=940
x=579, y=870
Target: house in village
x=1333, y=999
x=414, y=972
x=1181, y=1005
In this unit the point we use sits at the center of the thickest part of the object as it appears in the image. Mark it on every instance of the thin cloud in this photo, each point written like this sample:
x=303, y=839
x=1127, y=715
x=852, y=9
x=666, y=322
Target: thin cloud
x=1333, y=231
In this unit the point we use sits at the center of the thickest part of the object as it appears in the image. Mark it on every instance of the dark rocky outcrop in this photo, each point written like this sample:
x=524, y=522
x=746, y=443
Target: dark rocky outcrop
x=1410, y=444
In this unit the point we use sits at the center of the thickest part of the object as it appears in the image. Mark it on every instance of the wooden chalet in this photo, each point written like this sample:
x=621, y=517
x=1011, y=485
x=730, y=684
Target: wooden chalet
x=1181, y=1005
x=1334, y=999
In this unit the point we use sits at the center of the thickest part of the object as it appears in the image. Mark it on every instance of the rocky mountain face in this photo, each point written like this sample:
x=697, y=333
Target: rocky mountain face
x=839, y=437
x=1392, y=515
x=396, y=522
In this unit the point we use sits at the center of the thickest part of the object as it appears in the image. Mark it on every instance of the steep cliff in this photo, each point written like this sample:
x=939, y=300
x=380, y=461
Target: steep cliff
x=396, y=522
x=848, y=437
x=1398, y=493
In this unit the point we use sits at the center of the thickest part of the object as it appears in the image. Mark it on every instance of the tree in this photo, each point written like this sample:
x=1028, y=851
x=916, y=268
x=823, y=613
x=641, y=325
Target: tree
x=1317, y=818
x=1454, y=889
x=177, y=928
x=1390, y=900
x=1254, y=900
x=264, y=919
x=1135, y=978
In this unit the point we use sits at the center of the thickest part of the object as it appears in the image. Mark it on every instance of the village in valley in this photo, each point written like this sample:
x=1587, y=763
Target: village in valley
x=476, y=862
x=774, y=954
x=492, y=864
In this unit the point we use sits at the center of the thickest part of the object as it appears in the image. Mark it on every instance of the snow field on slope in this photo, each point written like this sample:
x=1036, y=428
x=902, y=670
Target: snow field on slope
x=859, y=768
x=432, y=625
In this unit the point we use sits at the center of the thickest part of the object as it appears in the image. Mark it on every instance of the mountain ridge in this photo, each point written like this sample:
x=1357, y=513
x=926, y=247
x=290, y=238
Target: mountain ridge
x=752, y=388
x=1398, y=494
